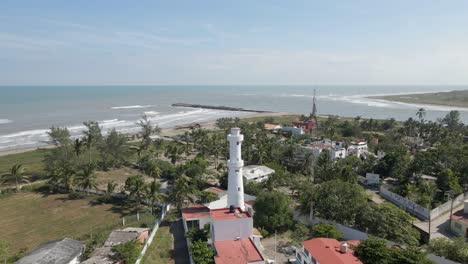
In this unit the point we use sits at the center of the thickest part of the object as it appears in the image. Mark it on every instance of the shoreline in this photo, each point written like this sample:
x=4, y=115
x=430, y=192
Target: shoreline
x=453, y=100
x=165, y=132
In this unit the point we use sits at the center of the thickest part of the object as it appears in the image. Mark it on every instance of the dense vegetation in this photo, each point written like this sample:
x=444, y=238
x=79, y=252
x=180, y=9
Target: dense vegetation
x=320, y=186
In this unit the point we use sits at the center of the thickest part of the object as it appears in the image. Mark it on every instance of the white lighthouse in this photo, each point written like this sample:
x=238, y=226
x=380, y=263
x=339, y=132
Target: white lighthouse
x=235, y=164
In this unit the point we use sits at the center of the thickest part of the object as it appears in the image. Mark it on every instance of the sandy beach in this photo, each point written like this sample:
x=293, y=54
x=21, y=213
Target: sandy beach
x=165, y=132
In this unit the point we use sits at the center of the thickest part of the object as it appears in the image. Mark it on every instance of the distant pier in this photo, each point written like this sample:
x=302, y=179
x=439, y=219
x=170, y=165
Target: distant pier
x=225, y=108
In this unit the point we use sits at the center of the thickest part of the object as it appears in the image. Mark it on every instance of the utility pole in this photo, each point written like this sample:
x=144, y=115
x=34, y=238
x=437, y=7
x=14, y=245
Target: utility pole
x=451, y=195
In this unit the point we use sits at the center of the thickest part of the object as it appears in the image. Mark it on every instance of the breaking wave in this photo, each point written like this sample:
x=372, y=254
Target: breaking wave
x=131, y=106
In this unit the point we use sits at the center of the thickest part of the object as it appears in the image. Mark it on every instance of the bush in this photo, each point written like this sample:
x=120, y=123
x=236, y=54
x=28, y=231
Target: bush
x=326, y=230
x=201, y=252
x=127, y=252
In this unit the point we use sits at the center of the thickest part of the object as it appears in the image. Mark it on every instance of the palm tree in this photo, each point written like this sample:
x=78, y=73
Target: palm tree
x=147, y=129
x=183, y=191
x=86, y=178
x=153, y=194
x=153, y=170
x=421, y=114
x=135, y=185
x=109, y=190
x=173, y=152
x=16, y=172
x=78, y=146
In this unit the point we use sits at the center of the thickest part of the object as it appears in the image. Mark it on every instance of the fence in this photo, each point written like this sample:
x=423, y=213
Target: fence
x=348, y=232
x=410, y=206
x=166, y=208
x=446, y=206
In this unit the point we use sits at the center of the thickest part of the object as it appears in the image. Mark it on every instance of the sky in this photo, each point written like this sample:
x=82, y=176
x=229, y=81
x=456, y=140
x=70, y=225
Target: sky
x=113, y=42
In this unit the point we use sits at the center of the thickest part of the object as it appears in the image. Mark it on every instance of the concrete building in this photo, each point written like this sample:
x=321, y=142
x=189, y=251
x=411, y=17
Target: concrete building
x=327, y=251
x=335, y=148
x=65, y=251
x=358, y=149
x=372, y=178
x=257, y=173
x=459, y=225
x=295, y=131
x=104, y=254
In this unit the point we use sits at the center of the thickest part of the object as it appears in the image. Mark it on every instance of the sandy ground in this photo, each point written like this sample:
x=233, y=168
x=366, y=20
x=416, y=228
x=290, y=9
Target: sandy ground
x=165, y=132
x=282, y=241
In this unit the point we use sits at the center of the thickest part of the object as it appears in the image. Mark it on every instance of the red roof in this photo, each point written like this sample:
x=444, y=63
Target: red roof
x=195, y=212
x=327, y=251
x=460, y=216
x=224, y=214
x=240, y=251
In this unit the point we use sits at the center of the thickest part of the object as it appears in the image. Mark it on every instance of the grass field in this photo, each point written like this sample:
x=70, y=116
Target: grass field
x=160, y=250
x=31, y=160
x=454, y=98
x=29, y=219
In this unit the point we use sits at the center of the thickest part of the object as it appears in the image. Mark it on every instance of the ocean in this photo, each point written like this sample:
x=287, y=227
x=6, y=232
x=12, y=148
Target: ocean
x=26, y=112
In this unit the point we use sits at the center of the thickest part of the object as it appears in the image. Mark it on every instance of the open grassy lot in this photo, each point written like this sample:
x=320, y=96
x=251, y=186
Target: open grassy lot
x=29, y=219
x=31, y=160
x=160, y=250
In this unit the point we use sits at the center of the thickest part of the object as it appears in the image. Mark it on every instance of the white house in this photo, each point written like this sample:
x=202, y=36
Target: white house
x=257, y=173
x=358, y=149
x=295, y=131
x=335, y=148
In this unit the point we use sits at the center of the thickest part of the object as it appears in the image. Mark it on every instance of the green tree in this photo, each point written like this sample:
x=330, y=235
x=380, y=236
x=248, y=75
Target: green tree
x=86, y=178
x=183, y=191
x=147, y=129
x=373, y=250
x=154, y=194
x=272, y=211
x=456, y=250
x=301, y=232
x=114, y=150
x=394, y=223
x=135, y=186
x=17, y=173
x=59, y=136
x=421, y=114
x=336, y=201
x=326, y=230
x=452, y=120
x=201, y=252
x=128, y=252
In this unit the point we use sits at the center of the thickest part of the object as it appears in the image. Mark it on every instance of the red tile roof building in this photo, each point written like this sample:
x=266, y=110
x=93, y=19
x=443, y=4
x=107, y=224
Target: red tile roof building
x=240, y=251
x=327, y=251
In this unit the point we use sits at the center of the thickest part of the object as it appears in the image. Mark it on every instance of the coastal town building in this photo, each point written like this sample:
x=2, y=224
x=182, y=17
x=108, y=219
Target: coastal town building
x=104, y=254
x=271, y=127
x=459, y=223
x=327, y=251
x=358, y=149
x=230, y=218
x=293, y=130
x=335, y=148
x=65, y=251
x=257, y=173
x=372, y=178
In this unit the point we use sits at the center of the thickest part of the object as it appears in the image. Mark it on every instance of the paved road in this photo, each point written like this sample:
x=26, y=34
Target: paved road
x=181, y=255
x=439, y=225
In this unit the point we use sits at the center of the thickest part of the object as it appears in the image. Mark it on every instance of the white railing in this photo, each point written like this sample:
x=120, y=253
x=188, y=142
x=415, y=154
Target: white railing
x=153, y=233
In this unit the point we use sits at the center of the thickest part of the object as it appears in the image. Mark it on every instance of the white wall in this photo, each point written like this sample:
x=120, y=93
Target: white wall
x=411, y=207
x=231, y=229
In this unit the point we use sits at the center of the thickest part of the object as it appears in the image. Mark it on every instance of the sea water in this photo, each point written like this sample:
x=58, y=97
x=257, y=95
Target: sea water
x=27, y=112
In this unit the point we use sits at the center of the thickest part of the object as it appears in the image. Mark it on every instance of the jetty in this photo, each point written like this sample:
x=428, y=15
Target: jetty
x=225, y=108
